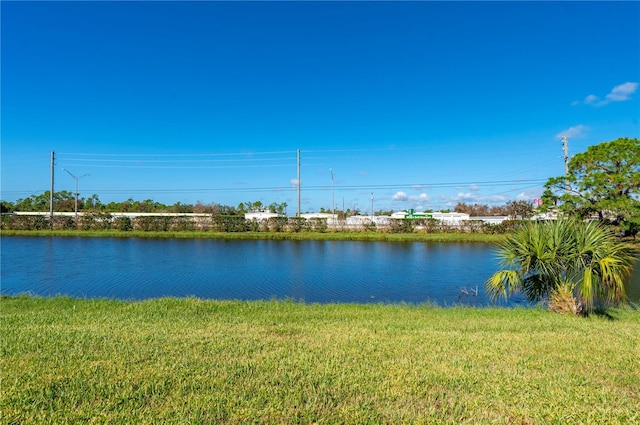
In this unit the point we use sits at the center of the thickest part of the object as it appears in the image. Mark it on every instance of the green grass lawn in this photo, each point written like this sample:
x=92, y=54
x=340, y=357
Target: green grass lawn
x=191, y=361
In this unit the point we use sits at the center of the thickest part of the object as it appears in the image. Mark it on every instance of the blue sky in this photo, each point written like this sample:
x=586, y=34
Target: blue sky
x=423, y=104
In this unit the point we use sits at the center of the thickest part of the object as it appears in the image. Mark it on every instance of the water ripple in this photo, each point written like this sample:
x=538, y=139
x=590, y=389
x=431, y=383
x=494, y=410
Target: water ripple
x=312, y=271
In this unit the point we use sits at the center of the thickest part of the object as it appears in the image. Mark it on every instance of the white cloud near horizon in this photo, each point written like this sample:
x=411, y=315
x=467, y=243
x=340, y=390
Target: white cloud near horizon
x=465, y=197
x=497, y=199
x=619, y=93
x=402, y=196
x=575, y=132
x=471, y=198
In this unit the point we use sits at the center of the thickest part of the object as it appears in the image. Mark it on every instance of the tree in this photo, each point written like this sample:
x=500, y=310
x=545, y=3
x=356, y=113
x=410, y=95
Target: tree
x=62, y=201
x=179, y=207
x=6, y=207
x=549, y=200
x=549, y=260
x=279, y=208
x=474, y=210
x=603, y=181
x=93, y=203
x=519, y=209
x=250, y=206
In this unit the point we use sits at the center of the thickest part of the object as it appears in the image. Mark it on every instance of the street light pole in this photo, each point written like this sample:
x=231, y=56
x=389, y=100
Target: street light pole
x=371, y=205
x=76, y=179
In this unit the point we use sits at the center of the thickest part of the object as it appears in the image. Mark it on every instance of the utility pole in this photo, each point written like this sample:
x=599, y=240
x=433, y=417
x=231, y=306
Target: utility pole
x=53, y=155
x=565, y=148
x=298, y=182
x=333, y=205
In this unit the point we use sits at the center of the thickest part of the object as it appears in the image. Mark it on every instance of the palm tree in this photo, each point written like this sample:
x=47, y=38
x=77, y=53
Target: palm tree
x=544, y=259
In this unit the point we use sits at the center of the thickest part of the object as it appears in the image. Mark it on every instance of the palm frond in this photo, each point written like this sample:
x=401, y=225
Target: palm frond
x=503, y=283
x=540, y=257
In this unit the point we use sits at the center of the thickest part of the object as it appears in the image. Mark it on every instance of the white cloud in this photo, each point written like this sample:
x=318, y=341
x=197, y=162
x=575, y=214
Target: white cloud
x=528, y=195
x=497, y=199
x=591, y=99
x=294, y=182
x=474, y=187
x=465, y=196
x=575, y=132
x=400, y=196
x=471, y=198
x=619, y=93
x=622, y=92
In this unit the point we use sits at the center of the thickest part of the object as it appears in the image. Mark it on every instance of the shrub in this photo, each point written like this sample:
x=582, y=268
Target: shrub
x=544, y=259
x=402, y=225
x=124, y=224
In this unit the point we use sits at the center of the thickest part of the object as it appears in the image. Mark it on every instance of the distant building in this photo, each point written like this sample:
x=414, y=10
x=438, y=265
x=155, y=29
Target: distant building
x=327, y=216
x=410, y=214
x=261, y=215
x=491, y=219
x=448, y=218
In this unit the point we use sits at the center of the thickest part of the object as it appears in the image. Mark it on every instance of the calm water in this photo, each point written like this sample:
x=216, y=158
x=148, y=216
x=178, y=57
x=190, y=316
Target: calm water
x=313, y=271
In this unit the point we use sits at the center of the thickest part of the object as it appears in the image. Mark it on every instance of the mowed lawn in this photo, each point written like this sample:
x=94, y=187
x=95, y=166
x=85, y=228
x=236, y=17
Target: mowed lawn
x=186, y=361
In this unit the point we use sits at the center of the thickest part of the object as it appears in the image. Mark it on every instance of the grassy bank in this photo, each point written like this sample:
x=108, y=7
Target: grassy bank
x=191, y=361
x=343, y=236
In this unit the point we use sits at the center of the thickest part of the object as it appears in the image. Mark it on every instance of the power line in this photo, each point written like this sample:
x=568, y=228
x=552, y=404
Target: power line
x=177, y=154
x=178, y=160
x=292, y=187
x=449, y=147
x=244, y=160
x=178, y=167
x=529, y=183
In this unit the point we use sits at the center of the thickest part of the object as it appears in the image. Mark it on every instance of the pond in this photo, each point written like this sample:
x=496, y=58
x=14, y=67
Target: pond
x=309, y=271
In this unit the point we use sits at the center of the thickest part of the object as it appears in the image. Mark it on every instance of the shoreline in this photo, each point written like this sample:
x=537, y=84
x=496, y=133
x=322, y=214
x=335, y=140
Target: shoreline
x=301, y=236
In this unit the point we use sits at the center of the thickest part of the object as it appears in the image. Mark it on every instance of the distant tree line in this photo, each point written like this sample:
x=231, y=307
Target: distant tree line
x=96, y=215
x=64, y=201
x=520, y=209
